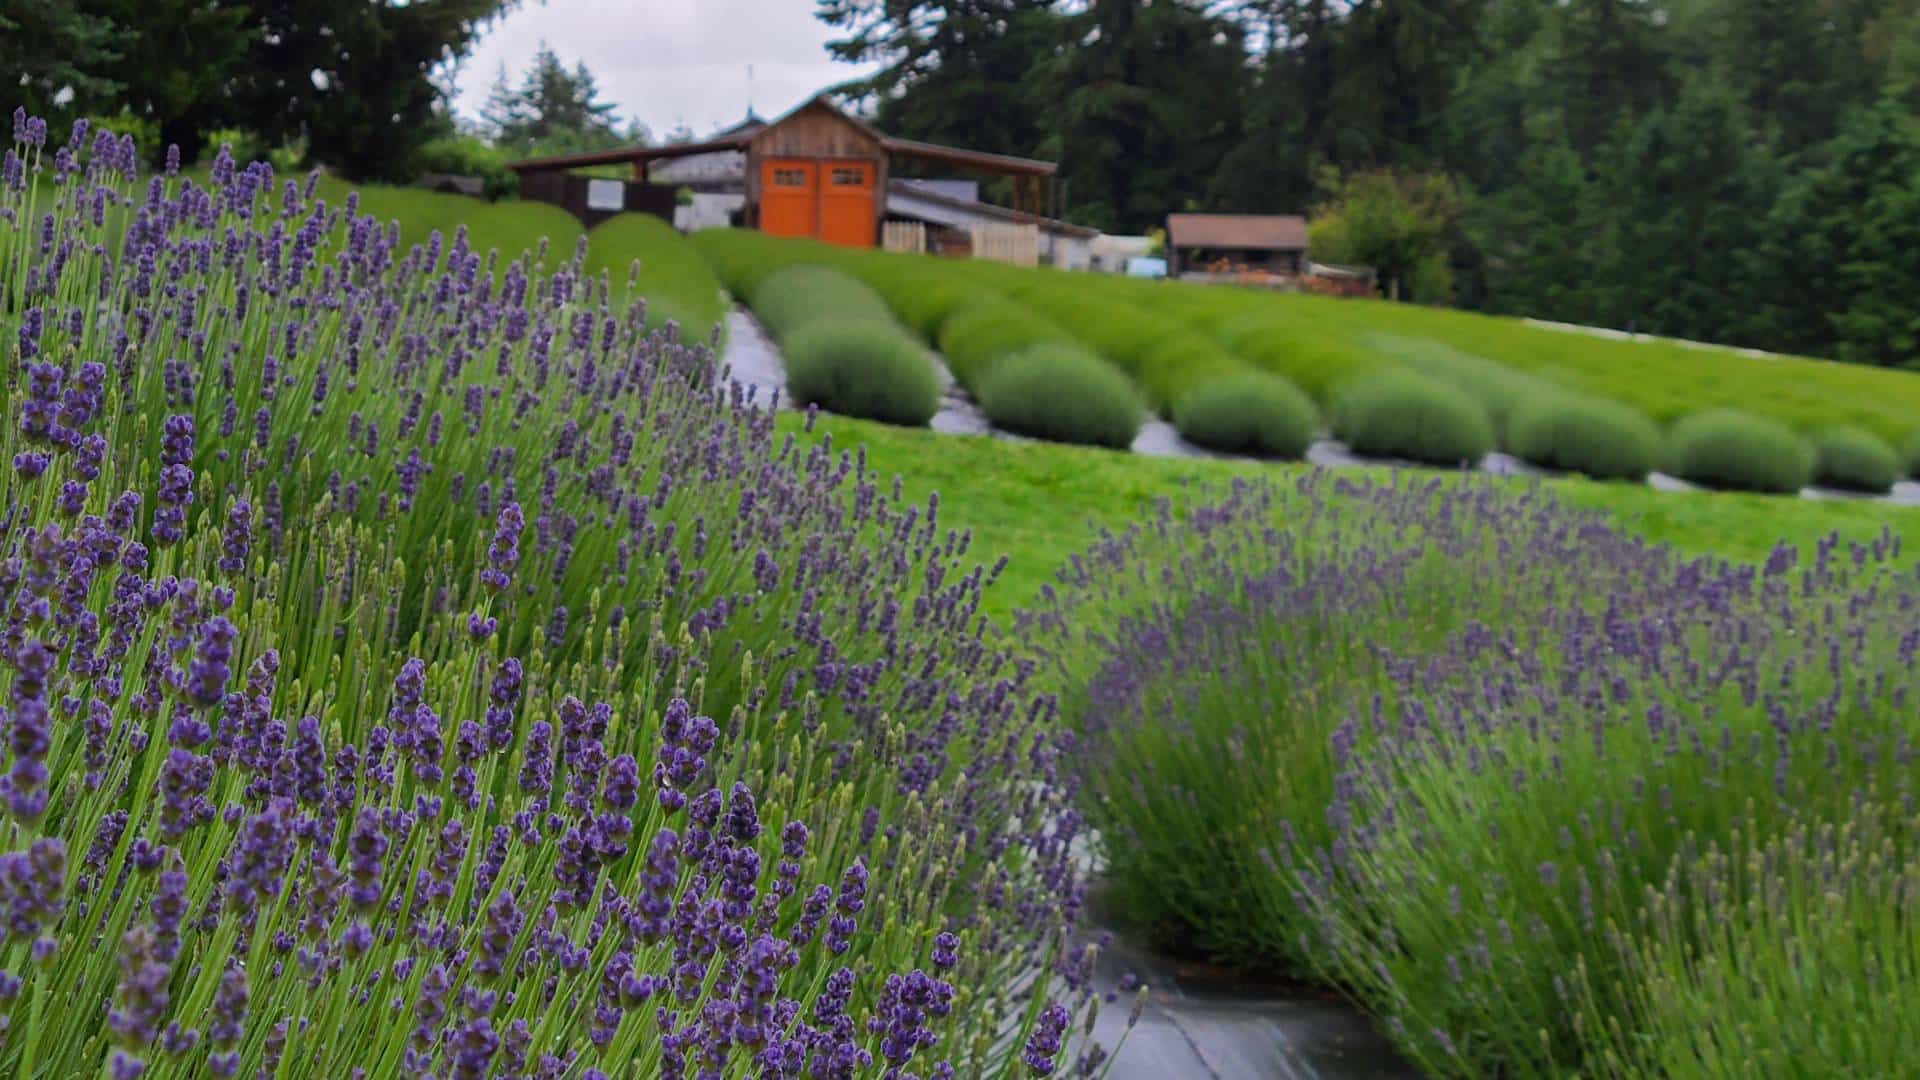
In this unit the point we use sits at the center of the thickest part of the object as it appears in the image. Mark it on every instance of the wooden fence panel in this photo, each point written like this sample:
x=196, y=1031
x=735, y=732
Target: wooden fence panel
x=906, y=236
x=1015, y=244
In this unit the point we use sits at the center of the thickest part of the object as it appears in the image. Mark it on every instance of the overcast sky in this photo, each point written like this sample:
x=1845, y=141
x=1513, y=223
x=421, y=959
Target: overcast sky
x=668, y=61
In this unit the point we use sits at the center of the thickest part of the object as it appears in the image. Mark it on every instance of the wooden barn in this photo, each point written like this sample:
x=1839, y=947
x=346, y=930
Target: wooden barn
x=814, y=172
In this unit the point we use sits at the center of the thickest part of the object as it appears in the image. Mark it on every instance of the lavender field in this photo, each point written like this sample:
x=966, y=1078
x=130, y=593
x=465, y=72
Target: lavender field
x=416, y=666
x=422, y=660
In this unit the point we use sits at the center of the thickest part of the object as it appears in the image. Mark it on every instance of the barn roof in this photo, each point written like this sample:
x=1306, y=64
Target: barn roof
x=1238, y=232
x=738, y=137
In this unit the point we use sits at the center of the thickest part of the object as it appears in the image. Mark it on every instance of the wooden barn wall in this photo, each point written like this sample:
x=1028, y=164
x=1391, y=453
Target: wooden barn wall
x=815, y=133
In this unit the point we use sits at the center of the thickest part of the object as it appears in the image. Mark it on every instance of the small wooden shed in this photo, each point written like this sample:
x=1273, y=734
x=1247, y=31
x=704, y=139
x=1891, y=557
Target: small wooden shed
x=1236, y=245
x=816, y=171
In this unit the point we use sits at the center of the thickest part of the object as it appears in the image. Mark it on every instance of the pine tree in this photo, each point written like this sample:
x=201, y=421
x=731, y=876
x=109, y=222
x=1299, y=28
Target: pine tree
x=54, y=57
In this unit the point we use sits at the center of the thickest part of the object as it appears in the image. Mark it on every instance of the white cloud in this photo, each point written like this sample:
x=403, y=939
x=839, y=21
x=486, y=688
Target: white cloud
x=668, y=61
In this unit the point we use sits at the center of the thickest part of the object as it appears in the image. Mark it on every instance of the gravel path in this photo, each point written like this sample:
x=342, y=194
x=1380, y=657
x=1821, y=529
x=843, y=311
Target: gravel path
x=755, y=360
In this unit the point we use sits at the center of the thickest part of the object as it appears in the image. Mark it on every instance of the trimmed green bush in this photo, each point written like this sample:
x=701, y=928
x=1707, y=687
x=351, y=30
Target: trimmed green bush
x=789, y=299
x=923, y=305
x=977, y=334
x=1499, y=389
x=861, y=368
x=1400, y=414
x=1063, y=393
x=1308, y=358
x=1854, y=459
x=1910, y=455
x=1600, y=438
x=1248, y=413
x=1726, y=448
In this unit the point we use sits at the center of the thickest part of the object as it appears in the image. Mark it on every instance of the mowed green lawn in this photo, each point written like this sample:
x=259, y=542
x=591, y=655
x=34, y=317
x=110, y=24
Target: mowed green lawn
x=1038, y=503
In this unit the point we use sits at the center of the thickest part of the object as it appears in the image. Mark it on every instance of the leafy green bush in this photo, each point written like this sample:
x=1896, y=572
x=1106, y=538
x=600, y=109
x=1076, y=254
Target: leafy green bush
x=1248, y=413
x=656, y=262
x=1726, y=448
x=1499, y=389
x=978, y=333
x=796, y=296
x=922, y=304
x=862, y=368
x=1604, y=439
x=465, y=155
x=1910, y=455
x=1854, y=459
x=1401, y=414
x=1306, y=356
x=1063, y=393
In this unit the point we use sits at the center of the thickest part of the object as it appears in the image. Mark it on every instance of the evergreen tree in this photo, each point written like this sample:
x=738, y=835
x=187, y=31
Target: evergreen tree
x=1148, y=96
x=953, y=71
x=55, y=57
x=1840, y=272
x=174, y=64
x=355, y=80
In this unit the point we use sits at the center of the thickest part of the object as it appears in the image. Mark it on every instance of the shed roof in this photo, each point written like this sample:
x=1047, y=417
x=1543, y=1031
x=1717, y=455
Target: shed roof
x=737, y=138
x=910, y=198
x=1239, y=232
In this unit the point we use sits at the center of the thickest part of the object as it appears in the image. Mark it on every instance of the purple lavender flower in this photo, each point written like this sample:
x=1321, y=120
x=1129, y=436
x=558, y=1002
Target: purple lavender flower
x=238, y=537
x=504, y=552
x=209, y=671
x=1043, y=1044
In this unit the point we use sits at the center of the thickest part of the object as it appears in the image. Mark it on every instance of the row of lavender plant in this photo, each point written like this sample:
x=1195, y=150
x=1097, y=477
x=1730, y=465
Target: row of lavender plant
x=416, y=666
x=1531, y=791
x=1225, y=641
x=1532, y=841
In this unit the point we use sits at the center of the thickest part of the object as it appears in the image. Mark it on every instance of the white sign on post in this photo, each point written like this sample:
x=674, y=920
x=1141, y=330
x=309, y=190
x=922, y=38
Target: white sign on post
x=606, y=195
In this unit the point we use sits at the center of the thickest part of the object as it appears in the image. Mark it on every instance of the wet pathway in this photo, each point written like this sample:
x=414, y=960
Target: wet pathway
x=1202, y=1024
x=755, y=360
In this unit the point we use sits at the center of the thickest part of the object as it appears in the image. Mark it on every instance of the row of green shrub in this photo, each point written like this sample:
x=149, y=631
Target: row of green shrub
x=842, y=348
x=1029, y=375
x=1228, y=367
x=1214, y=398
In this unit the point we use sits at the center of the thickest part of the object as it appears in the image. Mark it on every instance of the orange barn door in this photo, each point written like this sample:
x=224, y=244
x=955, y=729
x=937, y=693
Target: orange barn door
x=846, y=203
x=789, y=197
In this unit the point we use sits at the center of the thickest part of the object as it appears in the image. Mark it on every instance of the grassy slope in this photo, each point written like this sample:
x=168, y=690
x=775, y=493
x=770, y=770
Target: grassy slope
x=676, y=281
x=1035, y=502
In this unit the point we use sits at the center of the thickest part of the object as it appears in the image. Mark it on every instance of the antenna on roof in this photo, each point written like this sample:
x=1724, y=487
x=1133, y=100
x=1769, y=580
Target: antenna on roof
x=749, y=89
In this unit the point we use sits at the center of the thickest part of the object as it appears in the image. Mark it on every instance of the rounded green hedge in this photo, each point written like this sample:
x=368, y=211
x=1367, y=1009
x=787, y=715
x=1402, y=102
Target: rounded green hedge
x=1910, y=455
x=1726, y=448
x=1308, y=357
x=925, y=307
x=867, y=369
x=1248, y=413
x=1595, y=436
x=1854, y=459
x=1399, y=414
x=1063, y=393
x=978, y=333
x=795, y=296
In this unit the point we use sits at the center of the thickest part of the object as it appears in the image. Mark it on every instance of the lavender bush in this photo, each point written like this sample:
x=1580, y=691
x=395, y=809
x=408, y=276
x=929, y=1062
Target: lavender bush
x=416, y=667
x=1226, y=641
x=1542, y=798
x=1533, y=841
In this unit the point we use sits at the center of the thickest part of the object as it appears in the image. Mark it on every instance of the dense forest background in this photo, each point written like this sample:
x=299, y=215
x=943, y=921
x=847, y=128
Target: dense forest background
x=1745, y=171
